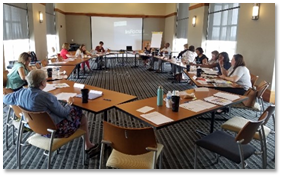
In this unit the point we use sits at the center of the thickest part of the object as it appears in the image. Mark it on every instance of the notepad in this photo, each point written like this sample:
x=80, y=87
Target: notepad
x=227, y=96
x=49, y=87
x=77, y=85
x=61, y=85
x=145, y=109
x=156, y=117
x=218, y=100
x=197, y=105
x=65, y=96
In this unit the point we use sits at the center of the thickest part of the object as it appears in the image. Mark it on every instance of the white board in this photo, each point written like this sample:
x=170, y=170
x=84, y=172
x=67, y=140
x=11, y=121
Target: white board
x=156, y=39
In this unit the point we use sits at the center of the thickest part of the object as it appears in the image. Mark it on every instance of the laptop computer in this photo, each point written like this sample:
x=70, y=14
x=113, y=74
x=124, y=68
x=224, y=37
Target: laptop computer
x=128, y=48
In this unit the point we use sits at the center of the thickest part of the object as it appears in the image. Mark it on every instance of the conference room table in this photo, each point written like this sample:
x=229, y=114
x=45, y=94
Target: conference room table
x=182, y=114
x=72, y=62
x=59, y=72
x=108, y=100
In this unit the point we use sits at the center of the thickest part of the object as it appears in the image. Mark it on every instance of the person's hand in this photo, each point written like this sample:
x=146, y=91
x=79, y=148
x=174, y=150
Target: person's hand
x=191, y=63
x=70, y=101
x=38, y=66
x=220, y=61
x=221, y=76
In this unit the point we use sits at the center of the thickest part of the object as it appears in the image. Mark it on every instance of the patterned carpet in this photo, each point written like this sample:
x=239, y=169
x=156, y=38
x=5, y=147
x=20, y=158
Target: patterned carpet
x=178, y=139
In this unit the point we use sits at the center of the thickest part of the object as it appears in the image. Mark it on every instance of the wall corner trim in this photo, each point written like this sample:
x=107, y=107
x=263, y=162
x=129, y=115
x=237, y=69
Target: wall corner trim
x=198, y=6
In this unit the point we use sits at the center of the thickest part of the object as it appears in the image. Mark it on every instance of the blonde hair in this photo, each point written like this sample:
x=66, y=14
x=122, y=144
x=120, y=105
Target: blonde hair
x=65, y=46
x=24, y=57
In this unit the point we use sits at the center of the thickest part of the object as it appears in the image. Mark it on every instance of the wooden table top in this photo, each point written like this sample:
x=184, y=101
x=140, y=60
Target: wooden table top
x=76, y=61
x=182, y=114
x=97, y=105
x=68, y=70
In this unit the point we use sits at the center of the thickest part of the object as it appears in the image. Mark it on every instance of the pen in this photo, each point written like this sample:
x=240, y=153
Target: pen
x=107, y=99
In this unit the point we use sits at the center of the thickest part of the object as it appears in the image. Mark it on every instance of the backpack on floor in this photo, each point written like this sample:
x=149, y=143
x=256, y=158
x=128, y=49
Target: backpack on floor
x=33, y=57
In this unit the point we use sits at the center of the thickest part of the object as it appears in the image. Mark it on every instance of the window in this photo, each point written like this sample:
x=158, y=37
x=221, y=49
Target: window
x=15, y=31
x=222, y=27
x=182, y=20
x=51, y=36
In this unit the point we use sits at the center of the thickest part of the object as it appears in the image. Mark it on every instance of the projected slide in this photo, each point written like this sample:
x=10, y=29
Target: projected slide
x=117, y=33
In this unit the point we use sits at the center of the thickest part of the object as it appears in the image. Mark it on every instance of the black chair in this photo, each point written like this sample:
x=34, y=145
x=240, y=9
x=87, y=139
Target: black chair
x=235, y=149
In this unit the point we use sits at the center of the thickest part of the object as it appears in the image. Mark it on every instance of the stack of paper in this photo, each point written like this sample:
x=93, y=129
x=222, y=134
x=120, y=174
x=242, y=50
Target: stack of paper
x=77, y=85
x=156, y=117
x=197, y=105
x=65, y=96
x=145, y=109
x=49, y=87
x=94, y=94
x=227, y=96
x=209, y=71
x=218, y=100
x=61, y=85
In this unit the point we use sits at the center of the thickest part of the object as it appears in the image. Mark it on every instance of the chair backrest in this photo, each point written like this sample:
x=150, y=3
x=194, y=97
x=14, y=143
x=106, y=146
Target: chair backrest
x=254, y=79
x=251, y=94
x=270, y=110
x=248, y=131
x=261, y=88
x=17, y=110
x=39, y=122
x=5, y=77
x=131, y=141
x=53, y=60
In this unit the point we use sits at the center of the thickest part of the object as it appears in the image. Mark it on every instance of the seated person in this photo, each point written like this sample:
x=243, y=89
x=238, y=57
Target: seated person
x=212, y=63
x=17, y=76
x=99, y=49
x=201, y=58
x=67, y=118
x=239, y=73
x=166, y=51
x=82, y=52
x=147, y=50
x=64, y=52
x=187, y=57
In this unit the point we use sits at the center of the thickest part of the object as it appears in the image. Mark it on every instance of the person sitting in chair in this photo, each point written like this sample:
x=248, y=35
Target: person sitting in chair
x=67, y=118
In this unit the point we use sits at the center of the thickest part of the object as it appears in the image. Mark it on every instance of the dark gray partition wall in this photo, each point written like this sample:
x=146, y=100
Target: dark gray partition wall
x=78, y=30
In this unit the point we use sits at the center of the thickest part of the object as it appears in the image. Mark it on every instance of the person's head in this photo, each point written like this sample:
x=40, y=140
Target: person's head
x=199, y=51
x=66, y=46
x=24, y=58
x=36, y=79
x=223, y=56
x=186, y=46
x=147, y=44
x=82, y=47
x=167, y=45
x=101, y=43
x=191, y=48
x=237, y=61
x=214, y=55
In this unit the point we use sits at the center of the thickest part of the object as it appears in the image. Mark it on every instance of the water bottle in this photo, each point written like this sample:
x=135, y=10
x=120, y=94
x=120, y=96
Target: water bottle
x=168, y=99
x=160, y=96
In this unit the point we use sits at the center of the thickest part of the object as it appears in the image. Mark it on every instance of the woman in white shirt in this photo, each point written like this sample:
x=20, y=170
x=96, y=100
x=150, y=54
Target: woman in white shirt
x=239, y=73
x=82, y=52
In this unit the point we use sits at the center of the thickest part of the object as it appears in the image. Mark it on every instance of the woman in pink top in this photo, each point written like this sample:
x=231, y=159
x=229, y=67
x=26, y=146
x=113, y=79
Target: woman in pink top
x=64, y=52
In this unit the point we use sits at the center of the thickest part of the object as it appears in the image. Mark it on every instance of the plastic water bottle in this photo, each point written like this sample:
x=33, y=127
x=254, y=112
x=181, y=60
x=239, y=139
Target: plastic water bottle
x=168, y=99
x=160, y=95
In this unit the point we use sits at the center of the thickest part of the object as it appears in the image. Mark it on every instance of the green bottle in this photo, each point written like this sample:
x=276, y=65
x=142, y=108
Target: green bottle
x=160, y=95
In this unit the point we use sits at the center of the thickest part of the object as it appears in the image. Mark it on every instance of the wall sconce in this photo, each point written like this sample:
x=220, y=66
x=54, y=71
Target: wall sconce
x=255, y=15
x=194, y=21
x=40, y=17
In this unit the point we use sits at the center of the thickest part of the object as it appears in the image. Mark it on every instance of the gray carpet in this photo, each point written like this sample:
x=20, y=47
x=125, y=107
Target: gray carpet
x=178, y=139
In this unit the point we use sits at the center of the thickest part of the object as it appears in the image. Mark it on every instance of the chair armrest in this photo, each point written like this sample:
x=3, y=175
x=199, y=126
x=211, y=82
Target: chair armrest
x=51, y=130
x=106, y=142
x=151, y=149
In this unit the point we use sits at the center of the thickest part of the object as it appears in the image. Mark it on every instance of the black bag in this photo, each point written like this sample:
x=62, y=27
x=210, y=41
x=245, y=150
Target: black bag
x=33, y=57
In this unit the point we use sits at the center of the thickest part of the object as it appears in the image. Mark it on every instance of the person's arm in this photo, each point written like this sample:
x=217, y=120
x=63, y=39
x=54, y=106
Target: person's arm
x=21, y=73
x=234, y=78
x=11, y=98
x=207, y=65
x=55, y=106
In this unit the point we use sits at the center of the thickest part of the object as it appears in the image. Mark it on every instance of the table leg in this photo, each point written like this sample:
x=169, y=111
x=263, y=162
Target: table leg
x=212, y=121
x=135, y=66
x=77, y=71
x=105, y=116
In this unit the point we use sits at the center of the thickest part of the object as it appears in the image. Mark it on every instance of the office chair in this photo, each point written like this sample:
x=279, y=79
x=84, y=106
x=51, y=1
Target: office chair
x=236, y=123
x=133, y=148
x=42, y=124
x=235, y=149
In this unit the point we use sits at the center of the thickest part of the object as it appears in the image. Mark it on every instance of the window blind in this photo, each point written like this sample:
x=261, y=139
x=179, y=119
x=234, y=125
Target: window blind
x=182, y=20
x=50, y=19
x=15, y=24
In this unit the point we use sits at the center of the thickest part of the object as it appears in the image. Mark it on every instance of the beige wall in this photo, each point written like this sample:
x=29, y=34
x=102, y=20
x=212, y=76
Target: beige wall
x=61, y=29
x=170, y=8
x=38, y=32
x=197, y=35
x=169, y=34
x=256, y=40
x=117, y=8
x=152, y=25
